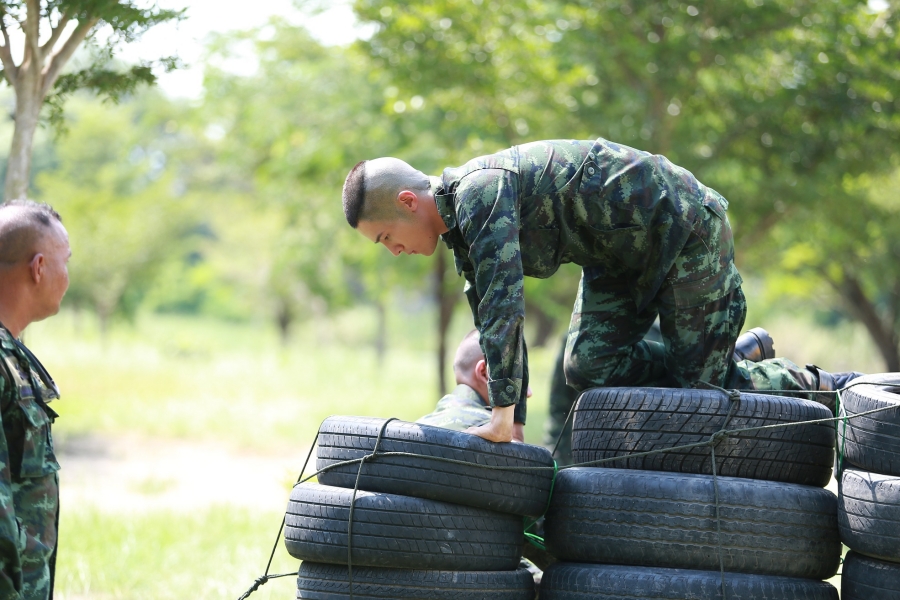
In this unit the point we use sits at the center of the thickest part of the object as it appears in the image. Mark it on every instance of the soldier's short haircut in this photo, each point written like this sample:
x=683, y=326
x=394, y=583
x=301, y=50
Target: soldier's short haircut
x=468, y=354
x=354, y=194
x=371, y=189
x=23, y=224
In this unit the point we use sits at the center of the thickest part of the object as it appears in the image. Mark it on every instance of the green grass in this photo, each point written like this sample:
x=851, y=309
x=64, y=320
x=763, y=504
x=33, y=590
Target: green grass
x=217, y=553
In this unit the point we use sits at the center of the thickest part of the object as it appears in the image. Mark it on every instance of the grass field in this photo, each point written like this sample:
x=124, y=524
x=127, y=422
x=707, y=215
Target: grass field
x=177, y=380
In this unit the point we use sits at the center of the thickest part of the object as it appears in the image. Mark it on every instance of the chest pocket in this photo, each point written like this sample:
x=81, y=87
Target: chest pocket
x=27, y=427
x=540, y=252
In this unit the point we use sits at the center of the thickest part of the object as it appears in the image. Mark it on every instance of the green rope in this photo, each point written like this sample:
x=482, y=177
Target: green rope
x=534, y=539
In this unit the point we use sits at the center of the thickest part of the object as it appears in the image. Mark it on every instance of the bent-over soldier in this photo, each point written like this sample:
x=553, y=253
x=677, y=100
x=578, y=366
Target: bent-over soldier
x=651, y=241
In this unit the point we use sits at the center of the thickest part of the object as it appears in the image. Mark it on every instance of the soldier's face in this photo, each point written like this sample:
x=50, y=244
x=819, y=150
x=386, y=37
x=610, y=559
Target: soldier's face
x=54, y=278
x=401, y=236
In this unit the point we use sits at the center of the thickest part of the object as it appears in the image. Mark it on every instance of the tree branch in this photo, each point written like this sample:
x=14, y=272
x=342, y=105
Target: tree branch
x=61, y=57
x=55, y=32
x=33, y=32
x=9, y=66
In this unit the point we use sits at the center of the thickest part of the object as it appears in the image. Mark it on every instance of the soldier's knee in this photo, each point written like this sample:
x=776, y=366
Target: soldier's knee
x=583, y=372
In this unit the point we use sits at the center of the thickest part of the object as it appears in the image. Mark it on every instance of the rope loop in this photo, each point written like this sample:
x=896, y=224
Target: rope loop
x=256, y=584
x=717, y=437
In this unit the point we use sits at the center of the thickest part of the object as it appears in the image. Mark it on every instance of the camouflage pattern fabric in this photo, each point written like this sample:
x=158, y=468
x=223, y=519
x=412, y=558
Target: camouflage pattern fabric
x=779, y=374
x=699, y=324
x=29, y=486
x=460, y=409
x=652, y=242
x=631, y=219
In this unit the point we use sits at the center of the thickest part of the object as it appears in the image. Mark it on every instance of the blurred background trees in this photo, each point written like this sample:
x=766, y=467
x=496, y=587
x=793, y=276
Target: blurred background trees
x=40, y=38
x=229, y=205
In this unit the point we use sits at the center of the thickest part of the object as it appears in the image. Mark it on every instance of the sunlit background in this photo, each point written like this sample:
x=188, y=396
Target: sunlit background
x=220, y=306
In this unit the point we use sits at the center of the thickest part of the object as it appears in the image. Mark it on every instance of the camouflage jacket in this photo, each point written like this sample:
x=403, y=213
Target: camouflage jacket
x=619, y=213
x=460, y=409
x=26, y=455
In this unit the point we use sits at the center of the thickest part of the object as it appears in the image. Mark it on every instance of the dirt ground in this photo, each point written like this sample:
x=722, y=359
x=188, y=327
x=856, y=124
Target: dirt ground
x=133, y=474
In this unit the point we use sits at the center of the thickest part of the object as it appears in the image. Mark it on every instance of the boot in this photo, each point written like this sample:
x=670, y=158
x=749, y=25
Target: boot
x=830, y=382
x=754, y=345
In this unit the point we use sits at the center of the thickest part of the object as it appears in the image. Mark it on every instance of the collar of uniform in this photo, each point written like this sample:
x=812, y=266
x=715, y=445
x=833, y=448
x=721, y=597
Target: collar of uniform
x=468, y=393
x=444, y=203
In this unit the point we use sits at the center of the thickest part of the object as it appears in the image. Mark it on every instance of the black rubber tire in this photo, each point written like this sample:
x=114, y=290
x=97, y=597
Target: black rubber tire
x=317, y=581
x=610, y=422
x=872, y=443
x=655, y=519
x=522, y=492
x=399, y=532
x=869, y=513
x=864, y=578
x=572, y=581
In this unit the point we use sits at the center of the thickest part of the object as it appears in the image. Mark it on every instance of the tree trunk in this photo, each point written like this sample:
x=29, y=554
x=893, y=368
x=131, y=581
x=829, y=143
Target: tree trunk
x=18, y=168
x=883, y=333
x=284, y=317
x=446, y=300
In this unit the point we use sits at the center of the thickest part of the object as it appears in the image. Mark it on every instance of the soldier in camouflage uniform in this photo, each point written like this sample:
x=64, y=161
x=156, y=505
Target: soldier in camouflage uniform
x=34, y=250
x=467, y=405
x=651, y=241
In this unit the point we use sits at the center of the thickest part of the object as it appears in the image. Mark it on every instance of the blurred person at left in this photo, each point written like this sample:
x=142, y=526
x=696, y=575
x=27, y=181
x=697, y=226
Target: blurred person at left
x=34, y=252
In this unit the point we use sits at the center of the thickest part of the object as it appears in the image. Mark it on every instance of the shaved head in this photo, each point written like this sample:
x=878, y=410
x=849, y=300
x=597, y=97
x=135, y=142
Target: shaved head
x=467, y=355
x=23, y=226
x=372, y=186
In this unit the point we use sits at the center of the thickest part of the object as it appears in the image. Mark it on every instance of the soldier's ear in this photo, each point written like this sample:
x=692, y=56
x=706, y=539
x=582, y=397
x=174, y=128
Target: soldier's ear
x=481, y=370
x=36, y=267
x=409, y=200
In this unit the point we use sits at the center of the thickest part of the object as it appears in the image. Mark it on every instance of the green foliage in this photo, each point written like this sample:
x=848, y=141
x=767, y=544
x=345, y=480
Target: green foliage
x=107, y=83
x=116, y=200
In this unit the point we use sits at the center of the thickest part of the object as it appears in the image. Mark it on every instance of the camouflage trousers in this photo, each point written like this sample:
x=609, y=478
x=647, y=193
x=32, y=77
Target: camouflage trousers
x=699, y=320
x=37, y=510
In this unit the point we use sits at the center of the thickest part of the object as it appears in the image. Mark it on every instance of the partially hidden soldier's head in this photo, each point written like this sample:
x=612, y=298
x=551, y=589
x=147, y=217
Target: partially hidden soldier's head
x=34, y=252
x=469, y=366
x=391, y=203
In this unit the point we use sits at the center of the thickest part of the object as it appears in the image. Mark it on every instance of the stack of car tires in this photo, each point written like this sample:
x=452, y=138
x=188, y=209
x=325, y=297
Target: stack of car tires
x=660, y=526
x=421, y=527
x=869, y=491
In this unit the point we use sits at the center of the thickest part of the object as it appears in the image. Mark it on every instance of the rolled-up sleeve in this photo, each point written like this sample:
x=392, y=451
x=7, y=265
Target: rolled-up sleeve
x=488, y=217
